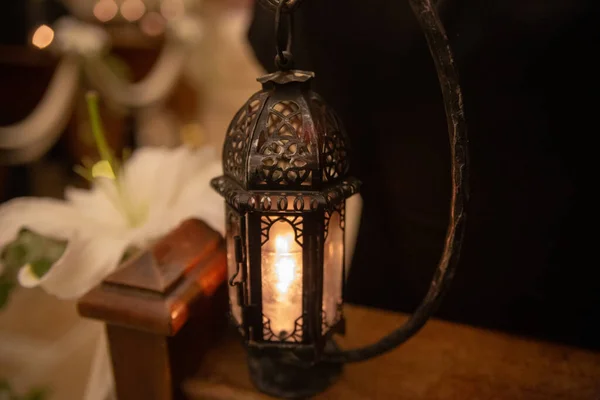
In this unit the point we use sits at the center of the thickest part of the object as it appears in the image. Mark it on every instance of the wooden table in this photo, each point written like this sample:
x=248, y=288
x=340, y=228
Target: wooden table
x=445, y=361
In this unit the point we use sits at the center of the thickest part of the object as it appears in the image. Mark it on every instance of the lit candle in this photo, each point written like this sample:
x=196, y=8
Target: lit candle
x=282, y=280
x=285, y=266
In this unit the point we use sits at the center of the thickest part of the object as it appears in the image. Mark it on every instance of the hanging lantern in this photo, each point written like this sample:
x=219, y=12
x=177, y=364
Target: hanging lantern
x=285, y=183
x=285, y=161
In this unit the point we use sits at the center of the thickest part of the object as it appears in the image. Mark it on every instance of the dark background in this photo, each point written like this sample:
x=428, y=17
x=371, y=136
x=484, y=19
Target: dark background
x=530, y=85
x=22, y=75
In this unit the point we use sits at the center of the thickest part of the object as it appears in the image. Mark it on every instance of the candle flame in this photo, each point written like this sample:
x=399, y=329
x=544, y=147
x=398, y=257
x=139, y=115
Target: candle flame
x=283, y=243
x=285, y=266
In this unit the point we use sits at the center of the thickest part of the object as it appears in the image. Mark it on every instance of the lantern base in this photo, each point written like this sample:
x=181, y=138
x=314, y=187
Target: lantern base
x=286, y=378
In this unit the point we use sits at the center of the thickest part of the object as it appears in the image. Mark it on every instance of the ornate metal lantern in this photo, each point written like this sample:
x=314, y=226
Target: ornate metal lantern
x=285, y=183
x=285, y=161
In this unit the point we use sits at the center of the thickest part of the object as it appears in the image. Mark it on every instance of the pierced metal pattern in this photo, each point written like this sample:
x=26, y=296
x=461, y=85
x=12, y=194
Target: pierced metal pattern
x=334, y=147
x=295, y=221
x=325, y=327
x=243, y=200
x=339, y=208
x=337, y=193
x=294, y=336
x=238, y=137
x=233, y=193
x=285, y=153
x=285, y=160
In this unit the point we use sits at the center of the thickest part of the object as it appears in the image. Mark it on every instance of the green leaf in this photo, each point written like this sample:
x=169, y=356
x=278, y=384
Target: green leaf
x=41, y=267
x=36, y=394
x=6, y=288
x=29, y=247
x=6, y=393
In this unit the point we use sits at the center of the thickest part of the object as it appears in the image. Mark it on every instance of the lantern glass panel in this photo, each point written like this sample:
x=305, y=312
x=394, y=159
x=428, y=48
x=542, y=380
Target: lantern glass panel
x=333, y=269
x=233, y=229
x=281, y=270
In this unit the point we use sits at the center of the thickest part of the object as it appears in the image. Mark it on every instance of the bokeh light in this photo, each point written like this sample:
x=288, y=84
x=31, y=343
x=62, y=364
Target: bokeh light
x=153, y=24
x=105, y=10
x=171, y=9
x=132, y=10
x=42, y=37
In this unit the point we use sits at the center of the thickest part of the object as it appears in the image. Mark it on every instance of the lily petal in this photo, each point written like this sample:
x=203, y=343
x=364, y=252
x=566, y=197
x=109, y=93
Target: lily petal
x=48, y=217
x=99, y=204
x=157, y=176
x=142, y=172
x=183, y=171
x=84, y=264
x=201, y=201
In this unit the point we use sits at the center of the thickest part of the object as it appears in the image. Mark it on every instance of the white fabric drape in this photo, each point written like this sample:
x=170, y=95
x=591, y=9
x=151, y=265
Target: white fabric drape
x=153, y=88
x=100, y=384
x=82, y=47
x=27, y=140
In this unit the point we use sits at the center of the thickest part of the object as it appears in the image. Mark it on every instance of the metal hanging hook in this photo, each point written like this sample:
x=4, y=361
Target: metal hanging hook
x=283, y=58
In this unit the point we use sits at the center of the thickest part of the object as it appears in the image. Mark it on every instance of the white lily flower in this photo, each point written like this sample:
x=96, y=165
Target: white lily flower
x=158, y=189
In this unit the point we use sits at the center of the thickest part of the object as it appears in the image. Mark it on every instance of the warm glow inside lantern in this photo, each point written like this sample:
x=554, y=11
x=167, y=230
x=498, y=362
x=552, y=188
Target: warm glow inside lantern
x=285, y=183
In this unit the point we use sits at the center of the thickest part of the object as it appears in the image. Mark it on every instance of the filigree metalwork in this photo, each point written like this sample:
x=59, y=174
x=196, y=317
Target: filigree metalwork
x=293, y=336
x=285, y=159
x=243, y=200
x=334, y=145
x=239, y=134
x=286, y=137
x=326, y=327
x=234, y=194
x=285, y=153
x=337, y=193
x=295, y=221
x=339, y=208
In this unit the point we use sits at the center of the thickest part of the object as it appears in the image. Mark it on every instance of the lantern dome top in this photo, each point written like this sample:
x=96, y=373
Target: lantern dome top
x=286, y=138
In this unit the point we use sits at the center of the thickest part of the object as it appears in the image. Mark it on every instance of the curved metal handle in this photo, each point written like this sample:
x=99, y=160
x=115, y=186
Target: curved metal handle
x=448, y=76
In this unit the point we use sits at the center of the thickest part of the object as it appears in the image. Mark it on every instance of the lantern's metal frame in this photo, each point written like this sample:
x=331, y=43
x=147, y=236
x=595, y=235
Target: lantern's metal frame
x=258, y=191
x=285, y=158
